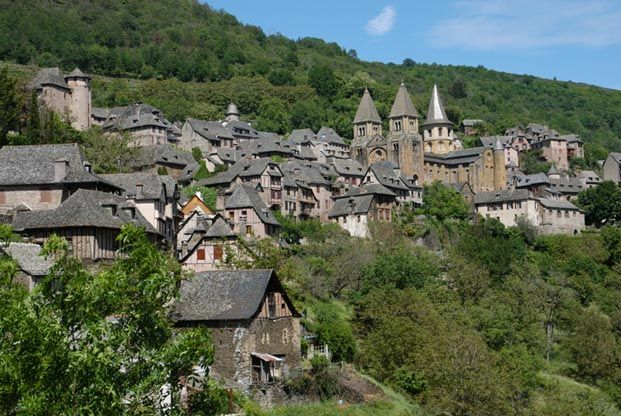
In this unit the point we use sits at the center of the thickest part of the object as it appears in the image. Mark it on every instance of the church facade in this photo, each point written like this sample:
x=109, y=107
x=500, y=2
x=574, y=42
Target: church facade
x=433, y=155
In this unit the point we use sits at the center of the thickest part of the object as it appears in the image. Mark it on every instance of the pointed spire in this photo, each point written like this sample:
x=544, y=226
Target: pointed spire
x=366, y=110
x=553, y=170
x=403, y=104
x=498, y=145
x=436, y=113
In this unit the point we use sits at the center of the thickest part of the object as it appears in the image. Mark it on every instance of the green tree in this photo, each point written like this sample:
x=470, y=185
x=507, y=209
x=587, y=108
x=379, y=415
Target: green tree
x=442, y=203
x=99, y=342
x=531, y=161
x=602, y=204
x=333, y=329
x=273, y=116
x=9, y=105
x=323, y=80
x=109, y=153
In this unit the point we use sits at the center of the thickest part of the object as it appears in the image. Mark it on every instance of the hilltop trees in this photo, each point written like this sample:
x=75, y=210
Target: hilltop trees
x=602, y=204
x=10, y=106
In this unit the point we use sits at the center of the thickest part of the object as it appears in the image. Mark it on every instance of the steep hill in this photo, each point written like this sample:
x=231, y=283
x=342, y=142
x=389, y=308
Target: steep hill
x=206, y=58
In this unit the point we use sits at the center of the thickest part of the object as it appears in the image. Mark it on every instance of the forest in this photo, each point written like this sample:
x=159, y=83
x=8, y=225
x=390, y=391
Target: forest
x=197, y=60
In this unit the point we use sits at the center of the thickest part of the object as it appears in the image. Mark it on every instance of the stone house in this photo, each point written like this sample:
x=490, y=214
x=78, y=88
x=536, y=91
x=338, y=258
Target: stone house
x=263, y=172
x=550, y=216
x=611, y=170
x=553, y=148
x=249, y=215
x=298, y=198
x=589, y=179
x=204, y=242
x=146, y=124
x=33, y=267
x=387, y=175
x=68, y=95
x=349, y=171
x=154, y=196
x=43, y=176
x=307, y=176
x=511, y=151
x=353, y=210
x=471, y=127
x=206, y=135
x=178, y=164
x=255, y=327
x=89, y=220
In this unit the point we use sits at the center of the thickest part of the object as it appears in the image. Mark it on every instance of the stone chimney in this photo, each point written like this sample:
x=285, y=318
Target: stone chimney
x=60, y=169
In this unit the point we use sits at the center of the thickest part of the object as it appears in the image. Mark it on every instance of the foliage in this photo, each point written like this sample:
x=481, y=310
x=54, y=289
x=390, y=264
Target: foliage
x=97, y=342
x=332, y=328
x=9, y=105
x=209, y=195
x=602, y=204
x=442, y=203
x=109, y=153
x=532, y=161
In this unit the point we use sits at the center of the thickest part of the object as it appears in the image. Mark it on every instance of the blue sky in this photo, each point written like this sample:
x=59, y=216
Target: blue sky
x=577, y=40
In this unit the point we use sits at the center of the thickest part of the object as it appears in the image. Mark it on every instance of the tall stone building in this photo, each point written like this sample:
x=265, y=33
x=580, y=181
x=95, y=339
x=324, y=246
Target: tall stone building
x=435, y=155
x=68, y=95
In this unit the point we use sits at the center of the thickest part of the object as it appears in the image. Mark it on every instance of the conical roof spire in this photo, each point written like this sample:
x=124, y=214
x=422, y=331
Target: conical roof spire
x=232, y=110
x=366, y=110
x=498, y=145
x=403, y=104
x=436, y=113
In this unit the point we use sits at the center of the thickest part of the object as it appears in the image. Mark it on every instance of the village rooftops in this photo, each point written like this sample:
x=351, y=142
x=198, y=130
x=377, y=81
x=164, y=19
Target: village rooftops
x=490, y=141
x=210, y=130
x=558, y=204
x=243, y=168
x=327, y=134
x=225, y=295
x=46, y=164
x=348, y=167
x=85, y=208
x=50, y=76
x=532, y=180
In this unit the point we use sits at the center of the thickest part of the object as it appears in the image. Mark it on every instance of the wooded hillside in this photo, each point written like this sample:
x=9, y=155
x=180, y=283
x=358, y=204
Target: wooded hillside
x=202, y=59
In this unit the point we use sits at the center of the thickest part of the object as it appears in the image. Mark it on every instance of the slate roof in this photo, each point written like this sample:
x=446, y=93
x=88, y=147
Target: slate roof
x=386, y=176
x=223, y=295
x=472, y=122
x=436, y=113
x=243, y=168
x=348, y=167
x=219, y=229
x=590, y=176
x=246, y=196
x=35, y=165
x=29, y=258
x=166, y=154
x=534, y=179
x=353, y=205
x=403, y=106
x=49, y=76
x=490, y=141
x=502, y=195
x=304, y=172
x=302, y=135
x=366, y=110
x=151, y=184
x=566, y=185
x=558, y=204
x=456, y=157
x=76, y=73
x=85, y=208
x=328, y=134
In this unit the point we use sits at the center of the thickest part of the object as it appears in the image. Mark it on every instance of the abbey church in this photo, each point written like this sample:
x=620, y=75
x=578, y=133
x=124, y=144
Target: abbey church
x=434, y=155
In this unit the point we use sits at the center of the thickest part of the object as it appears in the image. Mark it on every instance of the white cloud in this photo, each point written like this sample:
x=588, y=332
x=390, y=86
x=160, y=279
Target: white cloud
x=382, y=23
x=529, y=24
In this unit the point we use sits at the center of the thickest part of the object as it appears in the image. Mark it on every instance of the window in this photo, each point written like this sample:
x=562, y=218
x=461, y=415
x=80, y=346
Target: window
x=217, y=252
x=398, y=125
x=249, y=229
x=200, y=254
x=271, y=305
x=45, y=195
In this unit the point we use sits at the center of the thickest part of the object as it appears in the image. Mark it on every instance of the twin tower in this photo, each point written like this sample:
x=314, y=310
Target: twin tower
x=434, y=155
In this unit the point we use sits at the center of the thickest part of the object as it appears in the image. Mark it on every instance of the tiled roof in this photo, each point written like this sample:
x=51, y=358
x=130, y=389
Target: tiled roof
x=49, y=76
x=29, y=258
x=246, y=196
x=366, y=110
x=436, y=113
x=151, y=184
x=503, y=195
x=403, y=105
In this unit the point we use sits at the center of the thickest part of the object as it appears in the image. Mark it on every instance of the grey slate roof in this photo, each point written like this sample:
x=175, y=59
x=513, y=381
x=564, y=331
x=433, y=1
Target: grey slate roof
x=29, y=258
x=168, y=155
x=219, y=229
x=84, y=208
x=329, y=135
x=456, y=157
x=490, y=141
x=387, y=176
x=403, y=105
x=558, y=204
x=472, y=122
x=223, y=295
x=353, y=205
x=366, y=110
x=35, y=165
x=246, y=196
x=503, y=195
x=243, y=168
x=348, y=167
x=76, y=73
x=305, y=172
x=49, y=76
x=301, y=135
x=534, y=179
x=436, y=113
x=151, y=184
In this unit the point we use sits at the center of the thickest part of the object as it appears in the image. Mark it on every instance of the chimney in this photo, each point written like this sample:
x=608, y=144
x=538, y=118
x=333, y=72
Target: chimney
x=139, y=187
x=60, y=169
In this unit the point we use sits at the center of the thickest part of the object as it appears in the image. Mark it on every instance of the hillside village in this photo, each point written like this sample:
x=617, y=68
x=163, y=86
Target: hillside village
x=258, y=177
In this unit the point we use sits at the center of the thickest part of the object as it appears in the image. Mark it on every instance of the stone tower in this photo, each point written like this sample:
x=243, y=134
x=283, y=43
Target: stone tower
x=500, y=171
x=437, y=129
x=80, y=105
x=366, y=145
x=232, y=113
x=404, y=142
